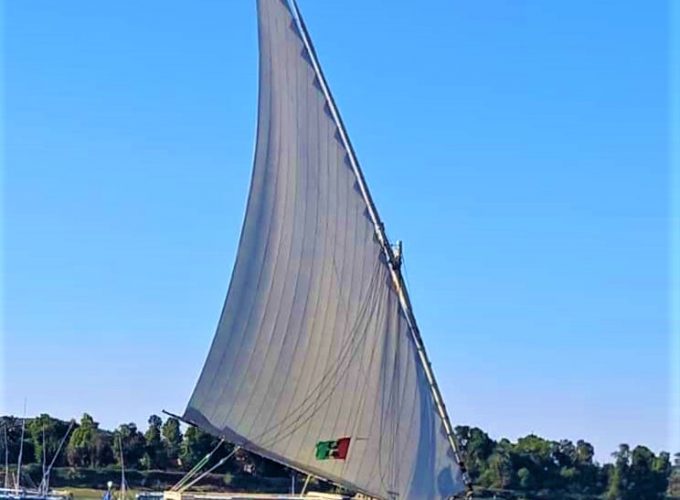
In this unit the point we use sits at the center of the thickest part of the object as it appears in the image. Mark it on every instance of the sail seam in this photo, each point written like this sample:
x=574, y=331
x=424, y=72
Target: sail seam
x=270, y=235
x=314, y=284
x=304, y=182
x=223, y=315
x=329, y=377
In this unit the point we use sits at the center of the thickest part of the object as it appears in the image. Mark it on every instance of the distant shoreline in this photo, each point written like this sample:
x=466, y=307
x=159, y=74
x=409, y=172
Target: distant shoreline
x=156, y=459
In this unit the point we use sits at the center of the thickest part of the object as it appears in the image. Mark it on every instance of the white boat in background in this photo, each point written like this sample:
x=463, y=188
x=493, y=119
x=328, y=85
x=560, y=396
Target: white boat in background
x=16, y=491
x=31, y=494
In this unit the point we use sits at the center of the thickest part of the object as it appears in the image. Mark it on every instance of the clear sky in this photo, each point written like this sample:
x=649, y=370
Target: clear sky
x=518, y=147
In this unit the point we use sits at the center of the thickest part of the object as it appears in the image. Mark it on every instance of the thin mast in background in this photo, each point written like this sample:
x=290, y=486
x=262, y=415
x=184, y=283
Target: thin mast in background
x=123, y=486
x=6, y=442
x=46, y=473
x=43, y=488
x=17, y=484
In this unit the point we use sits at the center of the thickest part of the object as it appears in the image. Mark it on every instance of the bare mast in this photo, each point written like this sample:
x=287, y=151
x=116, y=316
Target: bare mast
x=393, y=262
x=45, y=484
x=6, y=442
x=123, y=486
x=17, y=483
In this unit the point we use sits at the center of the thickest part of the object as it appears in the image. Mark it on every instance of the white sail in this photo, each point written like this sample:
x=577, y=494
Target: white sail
x=313, y=345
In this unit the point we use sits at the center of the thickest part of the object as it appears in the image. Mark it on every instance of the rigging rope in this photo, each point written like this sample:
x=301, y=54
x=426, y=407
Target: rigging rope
x=331, y=378
x=187, y=486
x=196, y=468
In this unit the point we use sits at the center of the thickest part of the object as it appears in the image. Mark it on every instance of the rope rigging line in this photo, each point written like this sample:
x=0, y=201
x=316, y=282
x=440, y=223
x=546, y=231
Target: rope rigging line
x=46, y=473
x=316, y=404
x=210, y=470
x=196, y=468
x=330, y=379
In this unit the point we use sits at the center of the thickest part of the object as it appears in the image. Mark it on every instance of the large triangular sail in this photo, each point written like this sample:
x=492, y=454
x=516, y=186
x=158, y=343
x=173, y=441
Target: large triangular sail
x=316, y=344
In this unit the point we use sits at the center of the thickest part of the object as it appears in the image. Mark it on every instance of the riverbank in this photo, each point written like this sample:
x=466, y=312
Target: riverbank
x=88, y=481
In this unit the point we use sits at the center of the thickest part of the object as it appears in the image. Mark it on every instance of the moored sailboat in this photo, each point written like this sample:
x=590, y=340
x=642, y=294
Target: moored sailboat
x=318, y=362
x=17, y=491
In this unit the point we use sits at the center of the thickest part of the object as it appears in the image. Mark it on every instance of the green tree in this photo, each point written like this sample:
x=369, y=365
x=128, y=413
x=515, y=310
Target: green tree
x=103, y=449
x=564, y=456
x=195, y=446
x=662, y=471
x=132, y=443
x=53, y=431
x=477, y=448
x=172, y=440
x=588, y=473
x=639, y=475
x=564, y=453
x=81, y=450
x=12, y=426
x=526, y=479
x=618, y=480
x=674, y=477
x=8, y=428
x=155, y=456
x=584, y=453
x=500, y=472
x=538, y=456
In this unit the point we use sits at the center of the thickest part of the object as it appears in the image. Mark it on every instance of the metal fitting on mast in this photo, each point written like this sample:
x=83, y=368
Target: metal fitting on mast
x=397, y=253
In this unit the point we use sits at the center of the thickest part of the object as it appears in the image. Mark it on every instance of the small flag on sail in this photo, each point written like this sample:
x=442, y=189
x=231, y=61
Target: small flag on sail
x=332, y=449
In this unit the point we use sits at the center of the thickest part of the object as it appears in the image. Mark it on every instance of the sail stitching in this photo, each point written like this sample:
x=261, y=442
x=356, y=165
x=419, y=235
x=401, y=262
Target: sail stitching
x=317, y=279
x=365, y=378
x=334, y=242
x=345, y=225
x=303, y=180
x=348, y=278
x=331, y=374
x=291, y=201
x=410, y=426
x=277, y=250
x=385, y=412
x=323, y=286
x=410, y=360
x=233, y=338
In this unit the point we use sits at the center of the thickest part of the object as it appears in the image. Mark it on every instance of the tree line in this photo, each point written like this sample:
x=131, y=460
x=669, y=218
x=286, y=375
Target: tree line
x=532, y=465
x=540, y=466
x=162, y=446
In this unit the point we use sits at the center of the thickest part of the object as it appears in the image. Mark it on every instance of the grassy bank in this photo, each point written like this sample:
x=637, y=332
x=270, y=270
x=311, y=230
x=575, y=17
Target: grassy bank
x=88, y=493
x=90, y=483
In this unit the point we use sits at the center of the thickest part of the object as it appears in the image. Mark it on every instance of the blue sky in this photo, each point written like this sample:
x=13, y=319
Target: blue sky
x=519, y=148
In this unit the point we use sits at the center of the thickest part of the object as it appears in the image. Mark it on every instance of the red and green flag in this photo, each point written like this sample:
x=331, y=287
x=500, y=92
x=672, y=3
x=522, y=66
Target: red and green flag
x=326, y=450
